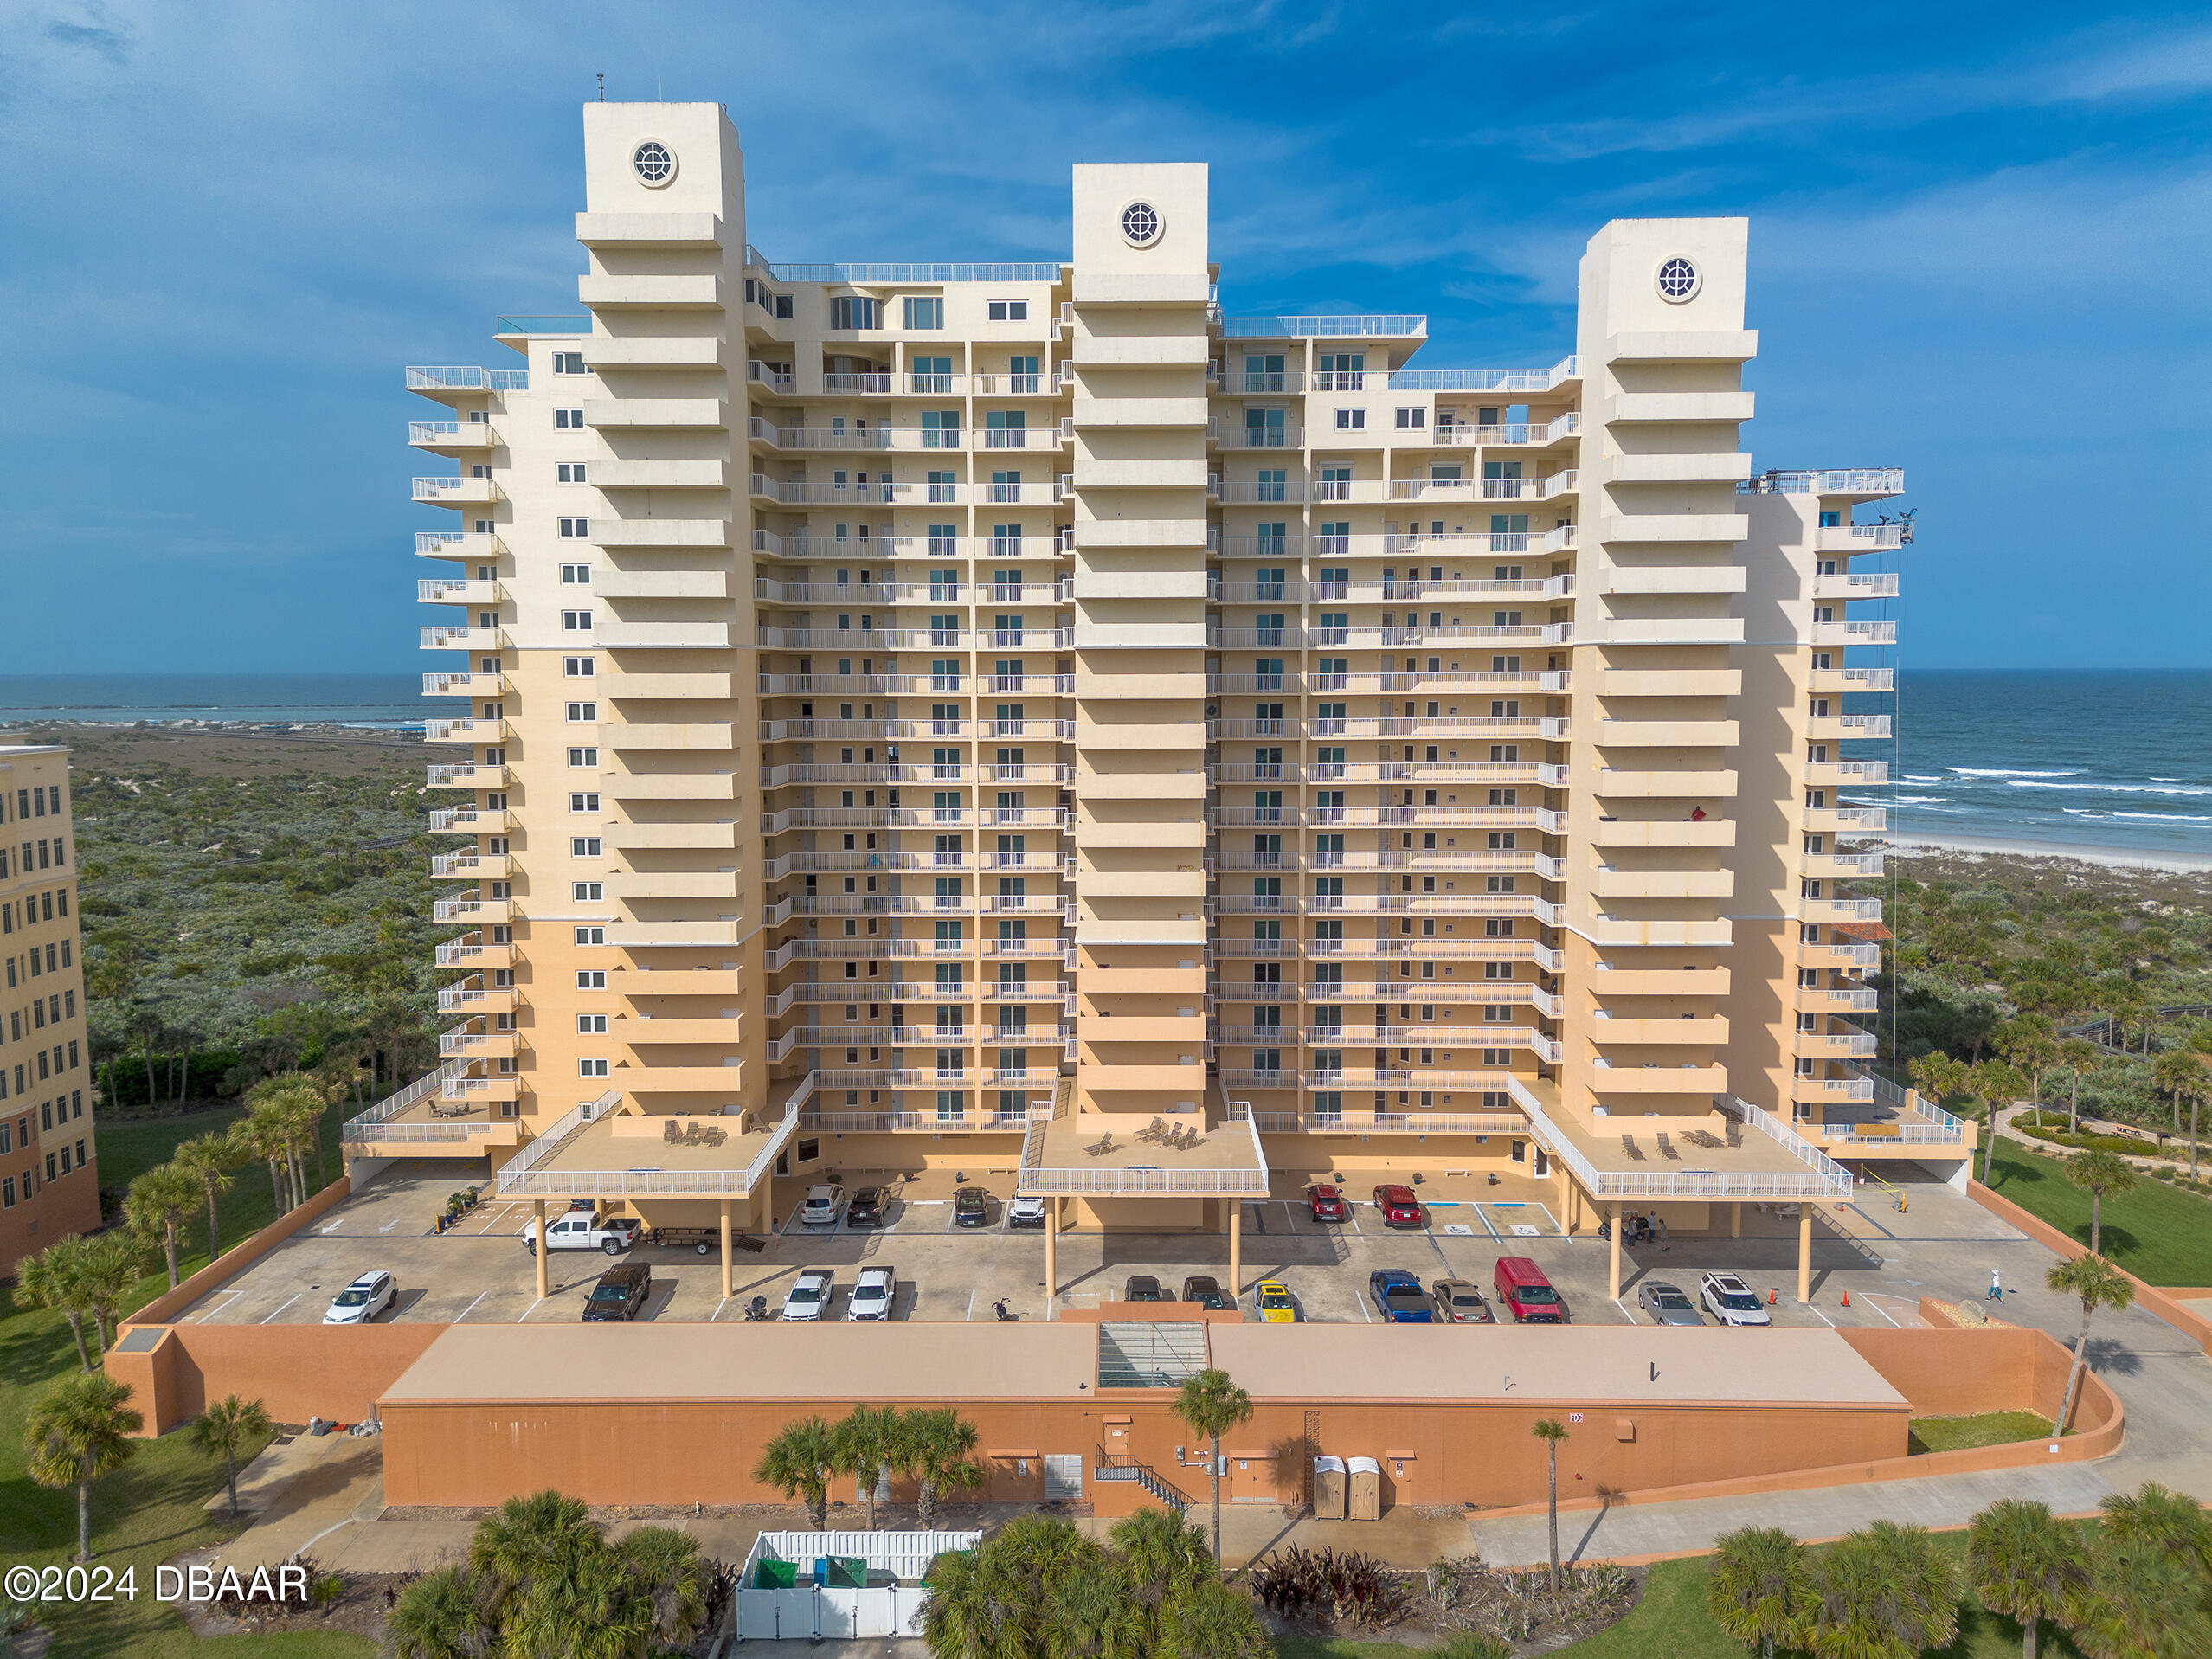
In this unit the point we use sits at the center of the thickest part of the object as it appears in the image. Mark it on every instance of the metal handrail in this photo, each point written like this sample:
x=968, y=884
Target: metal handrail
x=393, y=1105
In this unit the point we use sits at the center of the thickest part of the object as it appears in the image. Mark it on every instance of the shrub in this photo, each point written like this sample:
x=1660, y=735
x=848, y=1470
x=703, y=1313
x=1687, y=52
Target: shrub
x=1324, y=1586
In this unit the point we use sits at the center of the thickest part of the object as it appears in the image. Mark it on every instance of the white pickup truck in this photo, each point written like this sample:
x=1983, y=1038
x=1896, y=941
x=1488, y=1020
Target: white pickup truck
x=581, y=1229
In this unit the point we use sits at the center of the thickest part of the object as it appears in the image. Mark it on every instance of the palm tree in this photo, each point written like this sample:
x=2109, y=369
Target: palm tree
x=970, y=1614
x=1995, y=1085
x=262, y=1133
x=438, y=1616
x=2080, y=1055
x=228, y=1424
x=2173, y=1520
x=1211, y=1621
x=80, y=1429
x=1210, y=1404
x=798, y=1462
x=2176, y=1072
x=990, y=1602
x=1759, y=1589
x=60, y=1277
x=210, y=1157
x=667, y=1569
x=115, y=1262
x=523, y=1537
x=160, y=1201
x=2024, y=1564
x=2099, y=1284
x=2102, y=1175
x=579, y=1603
x=2029, y=1042
x=2145, y=1604
x=1885, y=1593
x=1164, y=1554
x=1551, y=1431
x=938, y=1449
x=867, y=1440
x=1090, y=1616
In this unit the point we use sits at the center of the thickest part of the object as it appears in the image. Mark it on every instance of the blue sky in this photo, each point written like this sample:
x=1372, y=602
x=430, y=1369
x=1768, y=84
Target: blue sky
x=1980, y=241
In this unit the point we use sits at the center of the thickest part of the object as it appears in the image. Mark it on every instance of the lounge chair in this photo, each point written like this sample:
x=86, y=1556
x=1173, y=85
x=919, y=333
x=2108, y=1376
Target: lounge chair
x=1156, y=1130
x=1735, y=1132
x=1634, y=1152
x=715, y=1134
x=693, y=1133
x=669, y=1133
x=1667, y=1148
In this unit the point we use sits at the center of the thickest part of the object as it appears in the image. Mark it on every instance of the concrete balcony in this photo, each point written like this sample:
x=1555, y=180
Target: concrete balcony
x=1814, y=1088
x=456, y=491
x=458, y=591
x=1664, y=833
x=1838, y=999
x=464, y=685
x=1859, y=538
x=1709, y=1030
x=1839, y=910
x=1865, y=483
x=1618, y=784
x=469, y=774
x=1847, y=774
x=695, y=231
x=1858, y=584
x=1669, y=734
x=1659, y=981
x=1854, y=633
x=1644, y=407
x=1848, y=955
x=624, y=474
x=1653, y=1079
x=1848, y=820
x=452, y=437
x=643, y=1032
x=711, y=736
x=472, y=952
x=1609, y=883
x=471, y=820
x=469, y=866
x=467, y=910
x=651, y=292
x=666, y=636
x=1848, y=726
x=469, y=997
x=1854, y=679
x=460, y=383
x=656, y=413
x=655, y=351
x=1667, y=578
x=466, y=732
x=1618, y=930
x=1677, y=527
x=481, y=546
x=1834, y=1045
x=687, y=534
x=462, y=638
x=725, y=1080
x=479, y=1044
x=1850, y=866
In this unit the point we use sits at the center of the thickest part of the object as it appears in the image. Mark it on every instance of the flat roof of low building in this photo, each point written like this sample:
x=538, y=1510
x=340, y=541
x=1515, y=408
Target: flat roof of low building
x=772, y=1361
x=836, y=1362
x=1648, y=1365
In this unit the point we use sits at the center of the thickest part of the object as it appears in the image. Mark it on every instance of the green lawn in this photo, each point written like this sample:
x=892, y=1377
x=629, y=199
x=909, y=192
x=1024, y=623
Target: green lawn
x=2158, y=1233
x=1671, y=1623
x=151, y=1511
x=1983, y=1429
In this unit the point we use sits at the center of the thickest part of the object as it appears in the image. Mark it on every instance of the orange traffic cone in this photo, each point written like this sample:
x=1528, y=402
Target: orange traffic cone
x=1770, y=1297
x=1847, y=1298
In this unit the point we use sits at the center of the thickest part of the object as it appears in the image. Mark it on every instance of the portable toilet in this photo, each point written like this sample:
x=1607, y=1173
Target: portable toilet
x=1366, y=1483
x=1328, y=1488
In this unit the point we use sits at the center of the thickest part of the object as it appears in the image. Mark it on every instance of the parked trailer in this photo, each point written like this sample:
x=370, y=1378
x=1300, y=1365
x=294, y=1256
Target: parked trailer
x=703, y=1240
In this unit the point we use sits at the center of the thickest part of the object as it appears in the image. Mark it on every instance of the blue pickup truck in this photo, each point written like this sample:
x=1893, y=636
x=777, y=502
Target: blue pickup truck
x=1399, y=1297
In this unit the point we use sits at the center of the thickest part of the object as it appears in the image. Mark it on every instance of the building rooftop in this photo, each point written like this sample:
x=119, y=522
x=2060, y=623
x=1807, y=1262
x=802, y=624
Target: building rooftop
x=1608, y=1365
x=1768, y=1161
x=602, y=1152
x=835, y=1361
x=1106, y=1154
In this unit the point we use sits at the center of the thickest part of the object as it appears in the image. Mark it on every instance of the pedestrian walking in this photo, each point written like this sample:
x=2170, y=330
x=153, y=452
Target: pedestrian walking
x=1996, y=1288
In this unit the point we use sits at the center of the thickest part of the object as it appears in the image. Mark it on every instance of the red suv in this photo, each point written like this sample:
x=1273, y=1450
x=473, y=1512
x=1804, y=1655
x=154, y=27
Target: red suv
x=1522, y=1287
x=1328, y=1204
x=1399, y=1206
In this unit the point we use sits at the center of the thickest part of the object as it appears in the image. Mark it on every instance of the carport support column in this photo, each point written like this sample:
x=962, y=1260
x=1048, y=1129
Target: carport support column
x=1051, y=1253
x=1613, y=1272
x=538, y=1205
x=1804, y=1251
x=1736, y=1219
x=726, y=1250
x=1236, y=1249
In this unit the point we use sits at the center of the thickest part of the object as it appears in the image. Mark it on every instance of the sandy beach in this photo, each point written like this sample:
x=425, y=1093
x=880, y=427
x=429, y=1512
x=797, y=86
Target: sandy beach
x=1996, y=846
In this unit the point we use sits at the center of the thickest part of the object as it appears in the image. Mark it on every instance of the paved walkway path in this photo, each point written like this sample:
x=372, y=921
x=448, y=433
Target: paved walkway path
x=2051, y=1149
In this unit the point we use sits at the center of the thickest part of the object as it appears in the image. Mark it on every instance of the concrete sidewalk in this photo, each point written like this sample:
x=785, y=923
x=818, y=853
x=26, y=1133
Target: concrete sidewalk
x=1823, y=1512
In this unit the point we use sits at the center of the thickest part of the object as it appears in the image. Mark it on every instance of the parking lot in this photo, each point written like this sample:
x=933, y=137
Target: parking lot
x=479, y=1272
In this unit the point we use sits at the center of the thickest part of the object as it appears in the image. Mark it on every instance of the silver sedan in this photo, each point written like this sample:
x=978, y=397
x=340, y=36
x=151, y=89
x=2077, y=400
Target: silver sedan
x=1667, y=1304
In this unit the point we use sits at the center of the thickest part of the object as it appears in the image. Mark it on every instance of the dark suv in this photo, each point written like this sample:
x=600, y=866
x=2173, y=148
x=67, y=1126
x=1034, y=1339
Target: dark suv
x=865, y=1208
x=620, y=1292
x=971, y=1207
x=1205, y=1291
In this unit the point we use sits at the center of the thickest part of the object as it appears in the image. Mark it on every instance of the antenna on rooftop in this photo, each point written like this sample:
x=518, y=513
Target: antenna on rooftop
x=602, y=85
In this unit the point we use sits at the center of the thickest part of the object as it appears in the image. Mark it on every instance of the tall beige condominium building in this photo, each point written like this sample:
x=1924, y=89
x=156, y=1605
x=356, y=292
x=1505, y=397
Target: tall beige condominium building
x=49, y=1180
x=1019, y=717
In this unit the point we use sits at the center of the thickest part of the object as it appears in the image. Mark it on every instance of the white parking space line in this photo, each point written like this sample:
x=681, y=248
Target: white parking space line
x=282, y=1305
x=1819, y=1316
x=1625, y=1308
x=971, y=1305
x=1868, y=1298
x=1361, y=1304
x=465, y=1312
x=227, y=1296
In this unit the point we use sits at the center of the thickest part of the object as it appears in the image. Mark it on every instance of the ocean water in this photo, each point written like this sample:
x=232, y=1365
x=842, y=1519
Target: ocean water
x=2097, y=757
x=2110, y=758
x=380, y=700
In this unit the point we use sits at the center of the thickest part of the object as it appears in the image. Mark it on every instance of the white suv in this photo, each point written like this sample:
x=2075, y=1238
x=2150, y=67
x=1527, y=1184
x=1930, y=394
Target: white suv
x=363, y=1300
x=822, y=1207
x=873, y=1294
x=1729, y=1300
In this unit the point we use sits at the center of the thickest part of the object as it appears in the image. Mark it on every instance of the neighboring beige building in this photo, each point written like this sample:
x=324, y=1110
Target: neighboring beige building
x=49, y=1180
x=1016, y=716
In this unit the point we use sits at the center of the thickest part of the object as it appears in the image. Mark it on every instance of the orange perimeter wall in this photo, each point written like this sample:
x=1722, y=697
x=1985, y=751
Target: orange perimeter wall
x=2159, y=1303
x=298, y=1372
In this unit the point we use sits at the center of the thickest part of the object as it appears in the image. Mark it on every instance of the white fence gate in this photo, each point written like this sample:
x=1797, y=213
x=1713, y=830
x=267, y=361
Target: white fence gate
x=810, y=1610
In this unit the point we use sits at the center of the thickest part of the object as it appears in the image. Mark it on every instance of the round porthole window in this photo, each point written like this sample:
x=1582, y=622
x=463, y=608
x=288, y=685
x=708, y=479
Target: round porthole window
x=1141, y=224
x=654, y=163
x=1678, y=281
